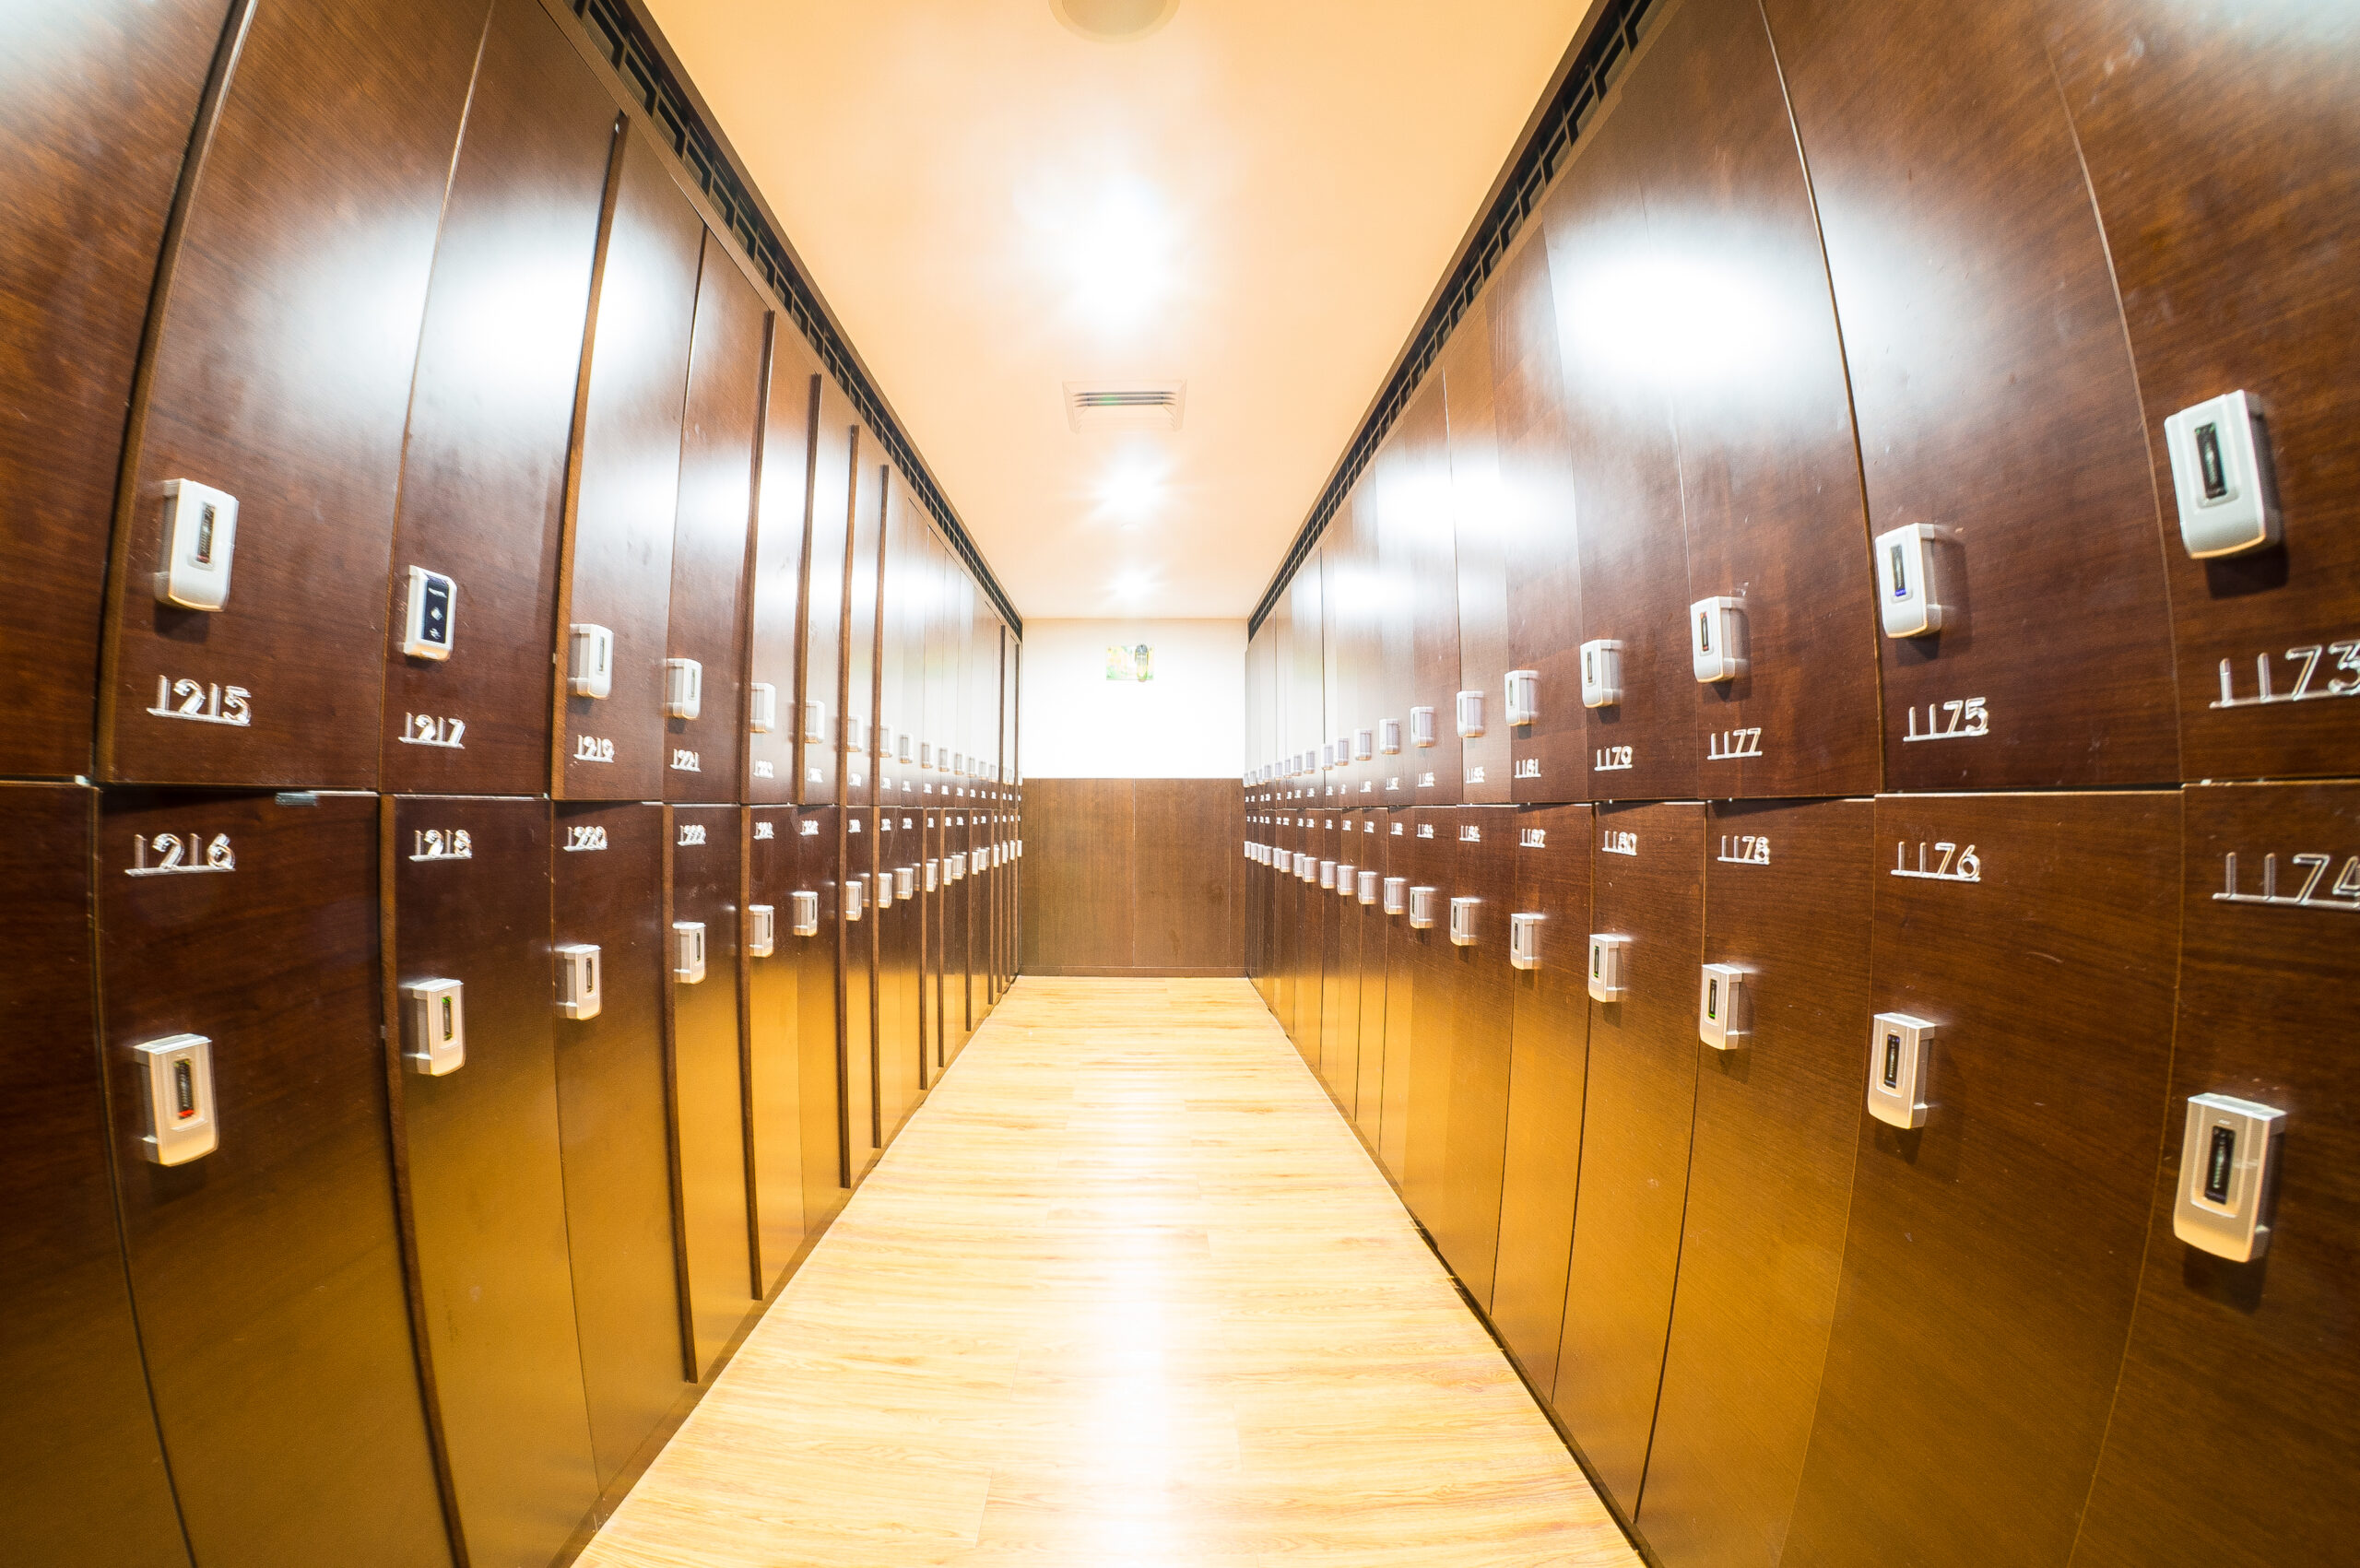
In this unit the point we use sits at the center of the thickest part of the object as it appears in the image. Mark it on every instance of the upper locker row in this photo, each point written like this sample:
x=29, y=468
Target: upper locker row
x=1895, y=397
x=462, y=456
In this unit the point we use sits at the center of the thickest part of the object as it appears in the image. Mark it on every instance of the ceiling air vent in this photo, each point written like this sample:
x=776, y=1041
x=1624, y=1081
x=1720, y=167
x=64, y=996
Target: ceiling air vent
x=1128, y=406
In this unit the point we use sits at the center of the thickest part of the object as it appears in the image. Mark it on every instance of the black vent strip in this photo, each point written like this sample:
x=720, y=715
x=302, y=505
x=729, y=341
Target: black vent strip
x=1529, y=172
x=619, y=31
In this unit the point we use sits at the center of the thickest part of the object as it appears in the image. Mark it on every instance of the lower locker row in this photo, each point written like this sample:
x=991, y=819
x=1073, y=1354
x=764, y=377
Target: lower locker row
x=1790, y=1308
x=387, y=1173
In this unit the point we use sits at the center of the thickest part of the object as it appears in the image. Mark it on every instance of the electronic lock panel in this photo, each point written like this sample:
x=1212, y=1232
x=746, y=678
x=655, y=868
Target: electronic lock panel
x=1548, y=1057
x=278, y=1217
x=1647, y=882
x=706, y=848
x=2020, y=1015
x=1781, y=999
x=783, y=907
x=2023, y=634
x=245, y=626
x=614, y=684
x=473, y=595
x=468, y=955
x=1421, y=504
x=783, y=536
x=2236, y=1416
x=706, y=707
x=607, y=868
x=1487, y=533
x=1479, y=851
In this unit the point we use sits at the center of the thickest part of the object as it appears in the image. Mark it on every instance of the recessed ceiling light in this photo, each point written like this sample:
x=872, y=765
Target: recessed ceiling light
x=1114, y=21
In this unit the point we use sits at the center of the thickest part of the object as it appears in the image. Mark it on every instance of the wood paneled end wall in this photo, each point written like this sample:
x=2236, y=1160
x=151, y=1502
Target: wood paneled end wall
x=1134, y=877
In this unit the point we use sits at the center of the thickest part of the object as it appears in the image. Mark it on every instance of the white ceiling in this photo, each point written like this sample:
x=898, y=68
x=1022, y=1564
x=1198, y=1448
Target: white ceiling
x=1257, y=198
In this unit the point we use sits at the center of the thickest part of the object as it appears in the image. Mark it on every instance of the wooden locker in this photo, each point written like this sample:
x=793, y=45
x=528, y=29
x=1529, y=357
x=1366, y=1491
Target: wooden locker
x=1435, y=979
x=1286, y=830
x=1339, y=592
x=896, y=954
x=2234, y=1426
x=1547, y=1060
x=935, y=1043
x=857, y=694
x=1485, y=530
x=88, y=1477
x=482, y=498
x=1422, y=505
x=1339, y=1040
x=2240, y=288
x=101, y=97
x=253, y=381
x=482, y=1170
x=617, y=574
x=957, y=1011
x=1376, y=855
x=855, y=968
x=607, y=874
x=1991, y=1255
x=1992, y=389
x=267, y=1273
x=1382, y=485
x=1788, y=892
x=834, y=449
x=1405, y=858
x=1648, y=884
x=773, y=1042
x=706, y=865
x=1325, y=923
x=1306, y=912
x=827, y=1163
x=1479, y=854
x=704, y=757
x=901, y=648
x=781, y=566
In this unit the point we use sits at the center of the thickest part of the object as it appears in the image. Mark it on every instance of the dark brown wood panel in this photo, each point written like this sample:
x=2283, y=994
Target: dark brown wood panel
x=1638, y=1103
x=1787, y=896
x=1487, y=526
x=2239, y=1412
x=267, y=1274
x=256, y=383
x=1405, y=860
x=1186, y=871
x=88, y=1479
x=1422, y=493
x=775, y=607
x=1435, y=979
x=100, y=97
x=626, y=484
x=826, y=1171
x=857, y=966
x=896, y=929
x=2231, y=233
x=708, y=1094
x=857, y=694
x=819, y=676
x=1993, y=388
x=1368, y=1048
x=1482, y=867
x=607, y=869
x=773, y=1045
x=483, y=1177
x=1339, y=1042
x=1381, y=488
x=2016, y=1215
x=492, y=416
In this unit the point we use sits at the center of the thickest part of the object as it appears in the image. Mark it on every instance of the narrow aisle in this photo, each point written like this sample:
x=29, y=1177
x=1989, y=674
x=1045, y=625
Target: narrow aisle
x=1125, y=1291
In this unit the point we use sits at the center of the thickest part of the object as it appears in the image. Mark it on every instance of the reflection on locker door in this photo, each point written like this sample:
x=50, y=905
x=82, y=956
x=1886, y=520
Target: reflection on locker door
x=267, y=1271
x=827, y=1169
x=1369, y=856
x=609, y=871
x=1405, y=864
x=894, y=929
x=718, y=1287
x=783, y=541
x=485, y=1178
x=774, y=1004
x=1475, y=948
x=87, y=1481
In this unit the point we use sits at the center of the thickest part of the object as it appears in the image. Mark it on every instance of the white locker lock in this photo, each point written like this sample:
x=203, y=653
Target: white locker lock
x=1326, y=754
x=906, y=748
x=884, y=890
x=1724, y=1019
x=1327, y=876
x=804, y=909
x=200, y=533
x=1422, y=727
x=933, y=875
x=856, y=734
x=1470, y=709
x=1397, y=894
x=1389, y=737
x=430, y=614
x=1913, y=573
x=905, y=881
x=2228, y=1160
x=815, y=720
x=1462, y=922
x=1343, y=750
x=1369, y=880
x=434, y=1017
x=688, y=951
x=761, y=930
x=958, y=868
x=1343, y=879
x=1602, y=672
x=1364, y=745
x=926, y=754
x=589, y=659
x=762, y=707
x=2225, y=507
x=1524, y=940
x=1524, y=697
x=1425, y=905
x=178, y=1074
x=1716, y=650
x=577, y=980
x=885, y=742
x=1608, y=958
x=1901, y=1049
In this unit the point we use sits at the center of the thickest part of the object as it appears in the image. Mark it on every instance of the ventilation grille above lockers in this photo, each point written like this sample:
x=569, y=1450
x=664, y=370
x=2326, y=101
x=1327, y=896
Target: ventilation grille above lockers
x=1125, y=405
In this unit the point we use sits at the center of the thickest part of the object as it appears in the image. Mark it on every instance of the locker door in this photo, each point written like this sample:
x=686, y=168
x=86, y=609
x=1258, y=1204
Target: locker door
x=1397, y=610
x=1648, y=883
x=618, y=572
x=1305, y=909
x=1786, y=898
x=2003, y=408
x=957, y=1009
x=1288, y=828
x=608, y=870
x=1325, y=923
x=2018, y=1210
x=827, y=1167
x=858, y=700
x=717, y=1289
x=1481, y=868
x=1340, y=1045
x=482, y=1167
x=819, y=678
x=101, y=99
x=483, y=474
x=855, y=967
x=1433, y=1022
x=1421, y=490
x=897, y=1023
x=782, y=545
x=775, y=1115
x=1549, y=1059
x=934, y=1040
x=1368, y=1096
x=86, y=1474
x=329, y=109
x=1483, y=530
x=2244, y=290
x=1404, y=863
x=266, y=1274
x=903, y=649
x=704, y=756
x=2234, y=1428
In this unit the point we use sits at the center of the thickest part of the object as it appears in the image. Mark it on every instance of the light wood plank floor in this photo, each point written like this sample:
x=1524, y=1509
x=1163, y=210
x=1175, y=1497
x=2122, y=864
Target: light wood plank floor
x=1126, y=1291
